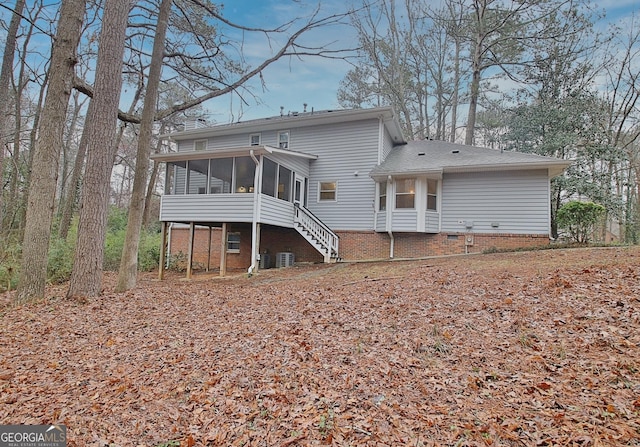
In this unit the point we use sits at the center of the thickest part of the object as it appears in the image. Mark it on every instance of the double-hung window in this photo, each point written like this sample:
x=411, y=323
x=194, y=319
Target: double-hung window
x=382, y=198
x=406, y=193
x=432, y=195
x=327, y=191
x=283, y=139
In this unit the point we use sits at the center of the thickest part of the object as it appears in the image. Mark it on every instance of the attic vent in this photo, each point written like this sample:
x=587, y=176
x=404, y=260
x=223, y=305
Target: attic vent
x=420, y=153
x=455, y=151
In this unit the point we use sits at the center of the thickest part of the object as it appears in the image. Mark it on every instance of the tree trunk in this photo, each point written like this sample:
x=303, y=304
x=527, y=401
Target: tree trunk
x=151, y=186
x=127, y=273
x=5, y=94
x=456, y=89
x=86, y=277
x=474, y=92
x=74, y=183
x=44, y=175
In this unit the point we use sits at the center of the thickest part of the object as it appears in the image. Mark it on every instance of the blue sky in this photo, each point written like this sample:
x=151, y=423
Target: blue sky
x=315, y=81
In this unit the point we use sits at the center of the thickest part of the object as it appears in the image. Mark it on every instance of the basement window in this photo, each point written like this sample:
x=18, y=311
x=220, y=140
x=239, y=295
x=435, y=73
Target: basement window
x=233, y=242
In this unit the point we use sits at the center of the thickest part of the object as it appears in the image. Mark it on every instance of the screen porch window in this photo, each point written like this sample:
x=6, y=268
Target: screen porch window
x=284, y=183
x=406, y=193
x=245, y=169
x=327, y=191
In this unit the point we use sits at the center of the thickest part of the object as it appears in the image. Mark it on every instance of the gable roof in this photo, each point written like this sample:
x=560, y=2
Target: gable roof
x=429, y=157
x=297, y=119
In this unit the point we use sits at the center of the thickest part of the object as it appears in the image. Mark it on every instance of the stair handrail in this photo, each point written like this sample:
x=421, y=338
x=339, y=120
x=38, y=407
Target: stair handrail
x=317, y=228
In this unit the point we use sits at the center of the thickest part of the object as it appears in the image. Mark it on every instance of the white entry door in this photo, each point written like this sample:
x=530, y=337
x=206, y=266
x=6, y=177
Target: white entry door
x=300, y=191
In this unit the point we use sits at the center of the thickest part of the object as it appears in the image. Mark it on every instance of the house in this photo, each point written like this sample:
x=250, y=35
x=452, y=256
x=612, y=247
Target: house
x=344, y=185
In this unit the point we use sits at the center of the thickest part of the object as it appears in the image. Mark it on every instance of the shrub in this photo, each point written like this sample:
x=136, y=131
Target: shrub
x=579, y=219
x=9, y=262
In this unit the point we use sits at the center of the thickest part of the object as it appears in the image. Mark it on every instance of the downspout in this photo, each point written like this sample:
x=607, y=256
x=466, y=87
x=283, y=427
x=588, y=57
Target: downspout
x=389, y=217
x=256, y=208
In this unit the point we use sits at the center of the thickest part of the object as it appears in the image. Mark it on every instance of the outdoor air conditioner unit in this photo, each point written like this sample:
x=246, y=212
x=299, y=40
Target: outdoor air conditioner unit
x=284, y=259
x=265, y=261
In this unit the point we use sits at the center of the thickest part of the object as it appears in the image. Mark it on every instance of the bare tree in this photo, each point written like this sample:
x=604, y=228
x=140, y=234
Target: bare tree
x=128, y=271
x=42, y=188
x=5, y=79
x=86, y=277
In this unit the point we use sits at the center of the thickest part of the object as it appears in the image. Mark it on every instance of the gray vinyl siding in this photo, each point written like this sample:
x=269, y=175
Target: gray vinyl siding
x=207, y=208
x=298, y=165
x=404, y=221
x=276, y=212
x=342, y=150
x=431, y=222
x=387, y=144
x=381, y=221
x=268, y=138
x=518, y=201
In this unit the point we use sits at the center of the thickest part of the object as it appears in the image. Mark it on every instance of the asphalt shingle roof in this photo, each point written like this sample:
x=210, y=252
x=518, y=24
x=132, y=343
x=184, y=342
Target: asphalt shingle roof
x=429, y=156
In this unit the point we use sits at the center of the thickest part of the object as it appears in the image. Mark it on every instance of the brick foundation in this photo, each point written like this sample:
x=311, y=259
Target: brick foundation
x=354, y=245
x=370, y=245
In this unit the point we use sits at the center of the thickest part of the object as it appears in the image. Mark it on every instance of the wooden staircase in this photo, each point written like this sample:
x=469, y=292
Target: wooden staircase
x=316, y=233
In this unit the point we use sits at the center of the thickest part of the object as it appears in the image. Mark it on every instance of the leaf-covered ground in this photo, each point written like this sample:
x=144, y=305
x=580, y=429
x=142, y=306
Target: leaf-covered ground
x=517, y=349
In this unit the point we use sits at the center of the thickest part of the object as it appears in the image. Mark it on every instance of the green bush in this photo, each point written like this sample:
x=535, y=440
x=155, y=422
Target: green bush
x=9, y=262
x=148, y=250
x=61, y=252
x=579, y=219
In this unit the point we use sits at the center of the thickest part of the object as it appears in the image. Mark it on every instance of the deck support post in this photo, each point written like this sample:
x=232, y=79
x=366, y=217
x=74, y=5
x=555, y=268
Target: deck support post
x=190, y=251
x=223, y=250
x=163, y=250
x=209, y=249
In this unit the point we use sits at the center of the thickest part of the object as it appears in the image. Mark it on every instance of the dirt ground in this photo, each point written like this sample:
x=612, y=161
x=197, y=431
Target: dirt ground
x=512, y=349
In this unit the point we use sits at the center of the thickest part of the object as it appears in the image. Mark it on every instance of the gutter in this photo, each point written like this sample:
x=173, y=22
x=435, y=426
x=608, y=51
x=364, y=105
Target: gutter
x=256, y=207
x=389, y=220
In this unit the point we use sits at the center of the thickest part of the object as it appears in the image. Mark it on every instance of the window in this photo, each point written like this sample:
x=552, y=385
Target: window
x=327, y=191
x=245, y=170
x=405, y=193
x=283, y=139
x=233, y=242
x=220, y=171
x=254, y=139
x=284, y=184
x=269, y=171
x=382, y=198
x=197, y=171
x=432, y=195
x=200, y=145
